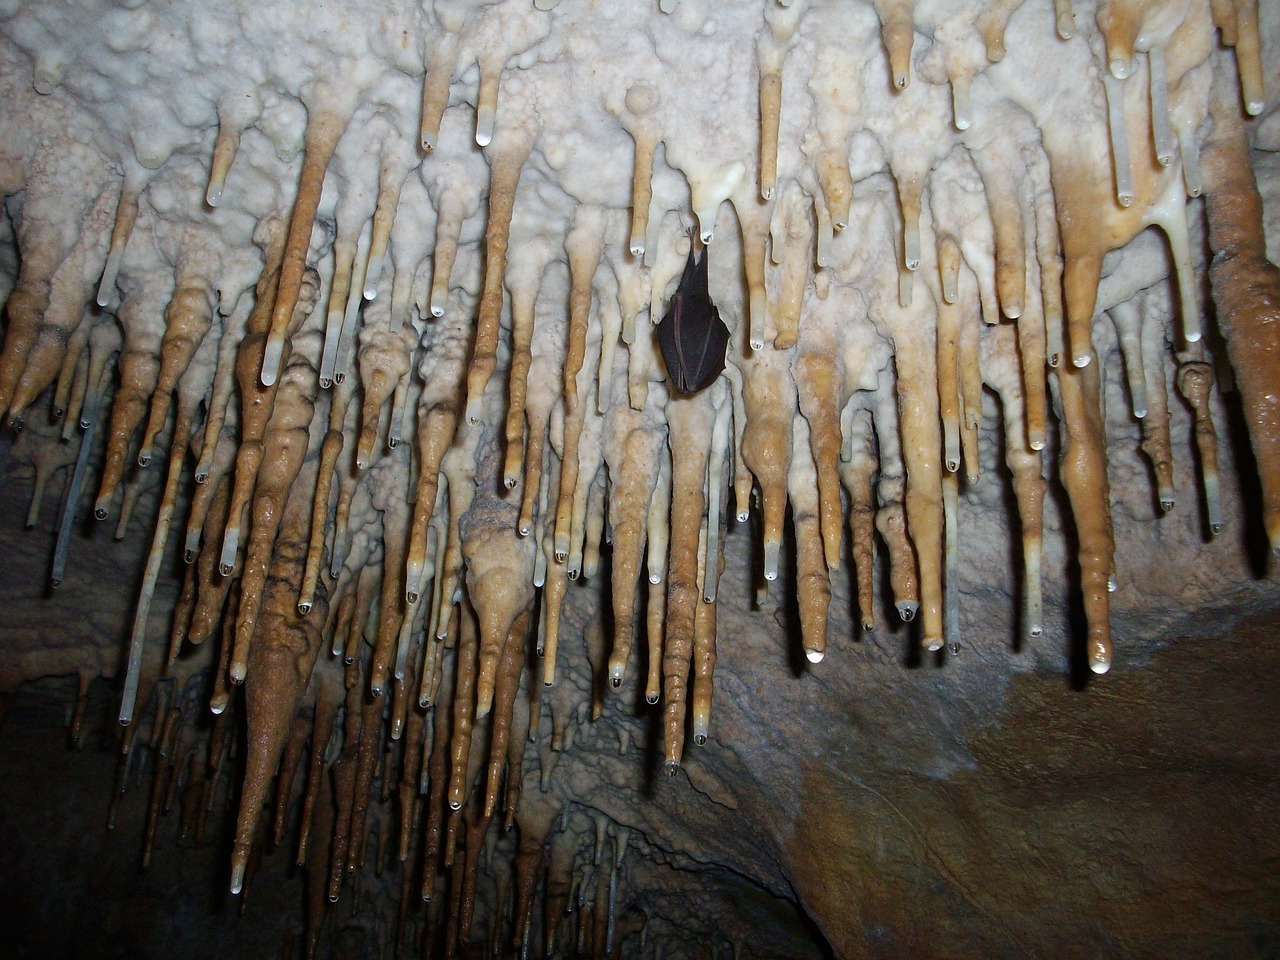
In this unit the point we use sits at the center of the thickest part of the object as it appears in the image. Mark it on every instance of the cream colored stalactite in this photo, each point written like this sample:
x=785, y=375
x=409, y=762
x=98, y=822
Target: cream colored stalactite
x=257, y=408
x=384, y=360
x=283, y=655
x=584, y=249
x=160, y=538
x=1049, y=259
x=451, y=212
x=284, y=445
x=1001, y=176
x=224, y=382
x=351, y=222
x=813, y=584
x=771, y=52
x=349, y=480
x=187, y=321
x=212, y=588
x=610, y=317
x=641, y=101
x=910, y=180
x=1240, y=30
x=1083, y=469
x=819, y=385
x=584, y=246
x=1064, y=18
x=1169, y=213
x=690, y=422
x=555, y=585
x=542, y=398
x=393, y=610
x=793, y=249
x=499, y=566
x=1156, y=442
x=1128, y=324
x=1026, y=466
x=659, y=531
x=1032, y=343
x=459, y=465
x=255, y=400
x=712, y=538
x=891, y=517
x=396, y=163
x=438, y=416
x=632, y=453
x=135, y=182
x=594, y=533
x=71, y=384
x=1161, y=129
x=754, y=222
x=992, y=22
x=441, y=62
x=191, y=391
x=236, y=112
x=590, y=459
x=330, y=447
x=507, y=689
x=65, y=321
x=769, y=394
x=856, y=474
x=921, y=451
x=329, y=111
x=142, y=317
x=523, y=285
x=702, y=683
x=506, y=158
x=1195, y=383
x=898, y=32
x=950, y=322
x=741, y=477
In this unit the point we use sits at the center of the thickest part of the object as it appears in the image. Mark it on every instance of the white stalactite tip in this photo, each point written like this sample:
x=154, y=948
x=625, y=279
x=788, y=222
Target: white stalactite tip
x=213, y=195
x=484, y=126
x=1099, y=665
x=933, y=644
x=772, y=551
x=304, y=607
x=1120, y=69
x=237, y=673
x=372, y=275
x=655, y=578
x=814, y=656
x=1081, y=361
x=237, y=879
x=907, y=610
x=271, y=361
x=615, y=675
x=230, y=543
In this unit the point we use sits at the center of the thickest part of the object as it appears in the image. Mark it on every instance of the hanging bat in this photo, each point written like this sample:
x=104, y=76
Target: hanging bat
x=692, y=336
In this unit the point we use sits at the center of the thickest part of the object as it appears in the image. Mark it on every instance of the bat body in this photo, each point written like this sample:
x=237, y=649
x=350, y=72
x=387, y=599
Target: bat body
x=691, y=335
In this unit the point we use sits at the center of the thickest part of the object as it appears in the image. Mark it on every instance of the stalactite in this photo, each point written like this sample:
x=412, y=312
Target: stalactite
x=444, y=559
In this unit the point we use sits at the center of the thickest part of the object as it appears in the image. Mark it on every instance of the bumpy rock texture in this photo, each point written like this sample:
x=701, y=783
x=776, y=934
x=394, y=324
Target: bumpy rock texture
x=426, y=578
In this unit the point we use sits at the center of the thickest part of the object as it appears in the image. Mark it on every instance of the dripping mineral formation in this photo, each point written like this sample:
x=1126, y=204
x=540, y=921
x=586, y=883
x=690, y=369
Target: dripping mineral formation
x=352, y=336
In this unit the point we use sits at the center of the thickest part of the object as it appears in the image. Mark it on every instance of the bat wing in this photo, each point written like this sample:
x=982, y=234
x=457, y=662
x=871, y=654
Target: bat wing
x=668, y=333
x=692, y=337
x=710, y=344
x=693, y=340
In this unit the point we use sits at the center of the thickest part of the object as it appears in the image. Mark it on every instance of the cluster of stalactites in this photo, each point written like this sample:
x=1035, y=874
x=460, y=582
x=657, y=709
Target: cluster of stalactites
x=381, y=531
